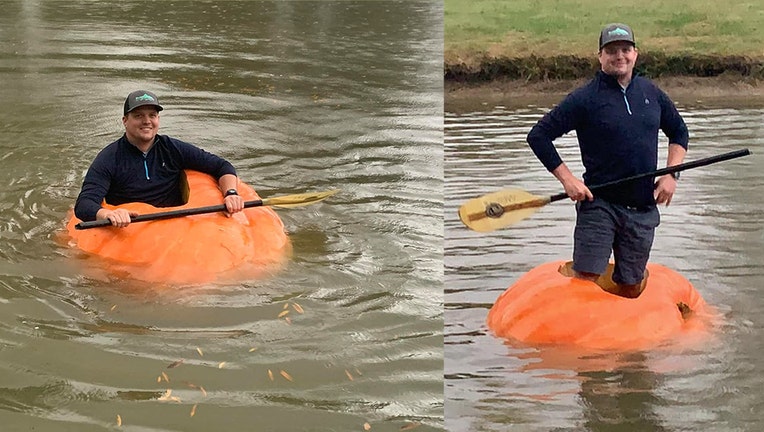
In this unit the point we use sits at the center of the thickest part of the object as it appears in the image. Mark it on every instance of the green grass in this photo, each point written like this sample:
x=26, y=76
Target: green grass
x=521, y=28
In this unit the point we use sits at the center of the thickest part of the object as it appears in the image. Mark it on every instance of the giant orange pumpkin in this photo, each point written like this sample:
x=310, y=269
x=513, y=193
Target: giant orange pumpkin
x=190, y=249
x=545, y=306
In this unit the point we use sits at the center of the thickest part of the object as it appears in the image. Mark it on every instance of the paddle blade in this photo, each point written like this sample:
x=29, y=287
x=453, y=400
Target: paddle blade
x=500, y=209
x=298, y=200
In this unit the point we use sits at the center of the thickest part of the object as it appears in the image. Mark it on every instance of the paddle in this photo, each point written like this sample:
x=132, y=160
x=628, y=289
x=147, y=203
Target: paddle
x=286, y=201
x=506, y=207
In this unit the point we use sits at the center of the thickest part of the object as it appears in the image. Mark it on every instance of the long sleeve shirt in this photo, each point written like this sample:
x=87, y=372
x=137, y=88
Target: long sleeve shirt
x=121, y=173
x=617, y=131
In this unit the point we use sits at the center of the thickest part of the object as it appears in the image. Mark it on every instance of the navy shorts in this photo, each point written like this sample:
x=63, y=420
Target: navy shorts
x=602, y=228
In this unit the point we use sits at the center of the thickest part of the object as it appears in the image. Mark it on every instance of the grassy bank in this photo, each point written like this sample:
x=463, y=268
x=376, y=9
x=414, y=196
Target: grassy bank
x=527, y=40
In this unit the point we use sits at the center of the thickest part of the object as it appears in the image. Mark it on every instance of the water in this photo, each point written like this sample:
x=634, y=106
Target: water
x=300, y=96
x=711, y=233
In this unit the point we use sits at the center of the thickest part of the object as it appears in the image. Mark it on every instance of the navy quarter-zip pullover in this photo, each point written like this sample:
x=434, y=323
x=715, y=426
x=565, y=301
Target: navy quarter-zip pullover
x=121, y=173
x=617, y=131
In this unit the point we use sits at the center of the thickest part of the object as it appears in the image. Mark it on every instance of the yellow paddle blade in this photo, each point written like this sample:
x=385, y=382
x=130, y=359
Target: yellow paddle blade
x=499, y=209
x=298, y=200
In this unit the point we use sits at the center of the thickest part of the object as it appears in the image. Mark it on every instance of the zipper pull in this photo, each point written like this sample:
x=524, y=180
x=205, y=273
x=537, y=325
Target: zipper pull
x=146, y=167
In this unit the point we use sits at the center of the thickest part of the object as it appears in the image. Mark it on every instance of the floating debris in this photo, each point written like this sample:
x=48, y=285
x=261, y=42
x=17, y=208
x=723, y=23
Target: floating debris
x=366, y=426
x=298, y=308
x=221, y=364
x=410, y=426
x=288, y=320
x=165, y=377
x=167, y=396
x=159, y=378
x=286, y=305
x=175, y=364
x=119, y=420
x=286, y=375
x=252, y=349
x=199, y=350
x=113, y=307
x=193, y=411
x=350, y=377
x=283, y=313
x=196, y=387
x=270, y=374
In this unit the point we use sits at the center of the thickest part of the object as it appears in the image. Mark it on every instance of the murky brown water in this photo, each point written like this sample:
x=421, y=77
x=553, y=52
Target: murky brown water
x=300, y=96
x=712, y=233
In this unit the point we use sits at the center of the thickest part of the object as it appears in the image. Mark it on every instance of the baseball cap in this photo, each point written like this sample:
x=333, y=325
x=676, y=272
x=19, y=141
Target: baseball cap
x=141, y=98
x=616, y=32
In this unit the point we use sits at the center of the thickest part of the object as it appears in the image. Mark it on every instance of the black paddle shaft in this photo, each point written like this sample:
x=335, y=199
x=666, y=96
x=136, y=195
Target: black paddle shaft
x=664, y=171
x=166, y=215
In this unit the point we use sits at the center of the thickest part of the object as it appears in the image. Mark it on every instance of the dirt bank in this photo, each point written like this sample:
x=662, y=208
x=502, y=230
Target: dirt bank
x=704, y=81
x=688, y=91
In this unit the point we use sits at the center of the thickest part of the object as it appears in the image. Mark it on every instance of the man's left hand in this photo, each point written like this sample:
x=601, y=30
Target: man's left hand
x=664, y=189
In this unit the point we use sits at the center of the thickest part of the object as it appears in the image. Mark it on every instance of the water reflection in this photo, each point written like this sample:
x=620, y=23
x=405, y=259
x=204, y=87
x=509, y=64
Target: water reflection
x=621, y=396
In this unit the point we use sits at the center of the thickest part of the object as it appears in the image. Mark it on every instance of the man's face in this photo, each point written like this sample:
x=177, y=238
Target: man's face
x=141, y=125
x=618, y=58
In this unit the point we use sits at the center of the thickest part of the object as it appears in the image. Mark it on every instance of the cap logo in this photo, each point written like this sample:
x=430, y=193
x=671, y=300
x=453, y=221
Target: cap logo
x=618, y=32
x=144, y=97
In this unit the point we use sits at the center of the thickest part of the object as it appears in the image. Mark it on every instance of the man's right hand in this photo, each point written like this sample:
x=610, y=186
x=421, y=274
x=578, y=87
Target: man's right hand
x=119, y=218
x=574, y=188
x=577, y=190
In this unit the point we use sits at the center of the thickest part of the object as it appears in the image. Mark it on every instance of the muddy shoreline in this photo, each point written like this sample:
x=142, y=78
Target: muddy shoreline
x=687, y=91
x=544, y=81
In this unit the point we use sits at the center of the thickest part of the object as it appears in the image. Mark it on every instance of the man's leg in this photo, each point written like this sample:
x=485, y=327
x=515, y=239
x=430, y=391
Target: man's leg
x=593, y=238
x=631, y=248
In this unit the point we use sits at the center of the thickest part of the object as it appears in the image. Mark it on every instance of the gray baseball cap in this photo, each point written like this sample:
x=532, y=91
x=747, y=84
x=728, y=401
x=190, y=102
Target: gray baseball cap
x=141, y=98
x=616, y=32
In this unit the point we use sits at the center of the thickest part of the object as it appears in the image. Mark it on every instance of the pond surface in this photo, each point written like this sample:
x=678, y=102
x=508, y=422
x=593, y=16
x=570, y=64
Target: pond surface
x=301, y=97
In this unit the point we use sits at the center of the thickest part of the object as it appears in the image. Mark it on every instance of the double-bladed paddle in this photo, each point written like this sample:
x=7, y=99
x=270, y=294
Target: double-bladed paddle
x=287, y=201
x=506, y=207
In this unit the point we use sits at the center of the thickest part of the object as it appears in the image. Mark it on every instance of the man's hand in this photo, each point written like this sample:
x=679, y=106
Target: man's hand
x=577, y=190
x=233, y=204
x=119, y=218
x=574, y=188
x=664, y=189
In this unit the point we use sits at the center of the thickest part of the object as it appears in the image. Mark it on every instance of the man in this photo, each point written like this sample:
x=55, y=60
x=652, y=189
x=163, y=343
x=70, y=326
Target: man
x=143, y=166
x=616, y=117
